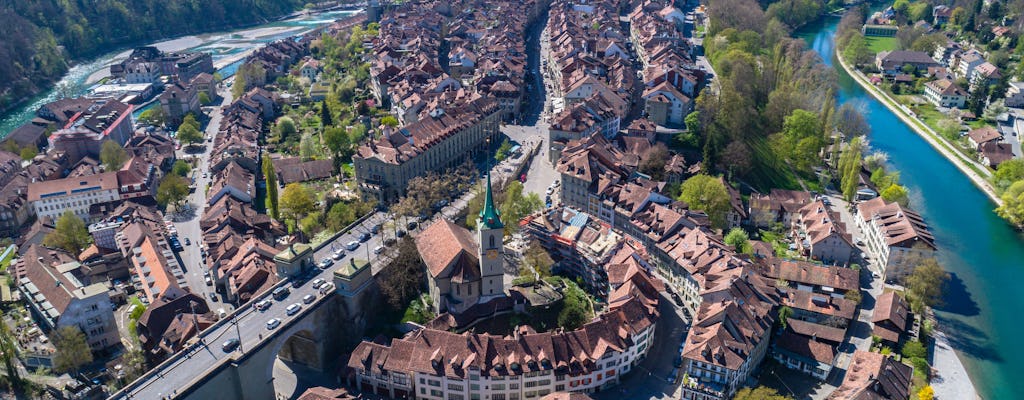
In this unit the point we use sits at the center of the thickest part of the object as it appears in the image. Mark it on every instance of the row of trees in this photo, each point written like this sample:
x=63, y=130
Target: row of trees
x=1008, y=181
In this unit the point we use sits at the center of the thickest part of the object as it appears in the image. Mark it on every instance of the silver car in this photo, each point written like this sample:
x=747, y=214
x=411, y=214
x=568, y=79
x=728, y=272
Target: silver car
x=273, y=323
x=293, y=309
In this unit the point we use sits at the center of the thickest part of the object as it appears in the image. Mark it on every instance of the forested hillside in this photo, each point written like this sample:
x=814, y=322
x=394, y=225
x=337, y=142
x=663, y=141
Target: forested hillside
x=39, y=38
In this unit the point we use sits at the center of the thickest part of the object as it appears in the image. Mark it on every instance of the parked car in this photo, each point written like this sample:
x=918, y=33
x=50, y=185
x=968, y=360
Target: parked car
x=375, y=229
x=364, y=237
x=326, y=263
x=411, y=225
x=188, y=242
x=378, y=249
x=230, y=345
x=318, y=282
x=308, y=298
x=263, y=305
x=327, y=288
x=213, y=296
x=209, y=282
x=400, y=233
x=352, y=245
x=273, y=323
x=339, y=254
x=389, y=241
x=293, y=309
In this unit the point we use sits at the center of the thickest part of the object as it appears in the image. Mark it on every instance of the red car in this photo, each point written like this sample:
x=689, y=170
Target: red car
x=522, y=178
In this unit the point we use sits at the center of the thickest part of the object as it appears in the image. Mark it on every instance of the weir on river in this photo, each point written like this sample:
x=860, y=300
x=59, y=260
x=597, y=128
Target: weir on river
x=985, y=256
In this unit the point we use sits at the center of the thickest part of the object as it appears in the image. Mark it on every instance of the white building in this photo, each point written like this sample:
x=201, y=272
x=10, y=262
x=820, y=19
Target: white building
x=945, y=93
x=898, y=236
x=50, y=199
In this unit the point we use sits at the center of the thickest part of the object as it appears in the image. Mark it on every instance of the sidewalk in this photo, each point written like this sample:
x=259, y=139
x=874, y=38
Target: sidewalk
x=951, y=380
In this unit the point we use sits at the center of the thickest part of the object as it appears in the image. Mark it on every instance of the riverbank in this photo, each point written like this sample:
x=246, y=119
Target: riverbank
x=951, y=378
x=967, y=167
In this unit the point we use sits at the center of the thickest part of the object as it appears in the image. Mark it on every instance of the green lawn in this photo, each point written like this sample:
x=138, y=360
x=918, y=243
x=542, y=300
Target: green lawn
x=6, y=261
x=879, y=44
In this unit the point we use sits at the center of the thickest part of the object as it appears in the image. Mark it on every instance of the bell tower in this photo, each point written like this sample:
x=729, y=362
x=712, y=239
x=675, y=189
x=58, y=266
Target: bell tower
x=490, y=235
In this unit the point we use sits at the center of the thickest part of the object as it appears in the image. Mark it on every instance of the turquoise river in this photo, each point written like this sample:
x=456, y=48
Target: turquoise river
x=983, y=313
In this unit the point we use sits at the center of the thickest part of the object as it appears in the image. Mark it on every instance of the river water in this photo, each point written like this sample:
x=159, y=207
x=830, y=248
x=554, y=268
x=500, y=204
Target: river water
x=983, y=313
x=225, y=46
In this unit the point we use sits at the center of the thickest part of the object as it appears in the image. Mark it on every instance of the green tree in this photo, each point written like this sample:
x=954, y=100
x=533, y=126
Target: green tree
x=759, y=393
x=181, y=168
x=926, y=284
x=897, y=193
x=1006, y=174
x=72, y=350
x=857, y=51
x=503, y=151
x=325, y=115
x=739, y=239
x=9, y=352
x=173, y=190
x=113, y=155
x=801, y=138
x=575, y=308
x=517, y=205
x=154, y=116
x=69, y=233
x=1013, y=204
x=389, y=120
x=403, y=278
x=239, y=86
x=311, y=223
x=849, y=168
x=914, y=349
x=271, y=177
x=285, y=128
x=535, y=258
x=296, y=201
x=337, y=141
x=340, y=216
x=784, y=313
x=653, y=163
x=28, y=152
x=708, y=194
x=189, y=135
x=204, y=98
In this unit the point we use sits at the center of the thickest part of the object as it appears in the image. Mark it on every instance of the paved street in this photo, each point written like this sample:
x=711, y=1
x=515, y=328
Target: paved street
x=656, y=377
x=187, y=223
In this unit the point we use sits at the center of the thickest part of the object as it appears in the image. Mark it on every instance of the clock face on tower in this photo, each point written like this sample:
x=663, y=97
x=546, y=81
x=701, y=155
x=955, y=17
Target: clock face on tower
x=492, y=254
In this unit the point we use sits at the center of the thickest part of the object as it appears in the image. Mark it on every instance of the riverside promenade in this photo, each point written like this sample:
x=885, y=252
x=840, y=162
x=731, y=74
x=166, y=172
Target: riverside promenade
x=972, y=169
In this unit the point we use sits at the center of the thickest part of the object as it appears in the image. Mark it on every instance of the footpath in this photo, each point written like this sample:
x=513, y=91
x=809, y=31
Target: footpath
x=968, y=167
x=950, y=379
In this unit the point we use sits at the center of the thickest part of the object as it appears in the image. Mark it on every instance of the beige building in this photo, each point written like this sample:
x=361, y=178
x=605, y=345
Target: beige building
x=444, y=139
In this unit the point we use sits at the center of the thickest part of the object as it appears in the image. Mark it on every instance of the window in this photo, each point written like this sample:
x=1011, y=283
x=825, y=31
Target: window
x=492, y=241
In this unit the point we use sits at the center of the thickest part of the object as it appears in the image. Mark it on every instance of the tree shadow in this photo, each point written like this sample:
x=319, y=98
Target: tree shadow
x=957, y=300
x=968, y=339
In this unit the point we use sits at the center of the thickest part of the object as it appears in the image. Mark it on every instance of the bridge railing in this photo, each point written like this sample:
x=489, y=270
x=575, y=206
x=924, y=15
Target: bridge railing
x=244, y=308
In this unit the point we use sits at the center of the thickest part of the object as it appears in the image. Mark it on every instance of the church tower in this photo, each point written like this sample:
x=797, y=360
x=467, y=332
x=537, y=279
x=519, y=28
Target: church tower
x=490, y=233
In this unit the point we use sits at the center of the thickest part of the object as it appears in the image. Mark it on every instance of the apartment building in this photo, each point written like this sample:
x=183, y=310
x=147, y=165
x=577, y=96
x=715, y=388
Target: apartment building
x=59, y=294
x=51, y=199
x=384, y=166
x=821, y=234
x=437, y=365
x=897, y=235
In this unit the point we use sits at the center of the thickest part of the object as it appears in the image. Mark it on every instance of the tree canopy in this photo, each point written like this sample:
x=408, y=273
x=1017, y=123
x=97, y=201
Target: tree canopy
x=271, y=176
x=112, y=155
x=72, y=350
x=69, y=233
x=708, y=194
x=296, y=201
x=173, y=190
x=1013, y=203
x=926, y=284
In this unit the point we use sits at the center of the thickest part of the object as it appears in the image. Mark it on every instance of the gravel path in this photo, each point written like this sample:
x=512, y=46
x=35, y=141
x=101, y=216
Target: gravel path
x=950, y=381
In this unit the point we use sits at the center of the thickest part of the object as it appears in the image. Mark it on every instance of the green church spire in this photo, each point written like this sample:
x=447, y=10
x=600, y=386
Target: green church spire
x=490, y=218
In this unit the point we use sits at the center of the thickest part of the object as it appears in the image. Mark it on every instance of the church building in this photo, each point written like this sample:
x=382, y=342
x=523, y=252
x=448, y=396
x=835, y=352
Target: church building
x=464, y=269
